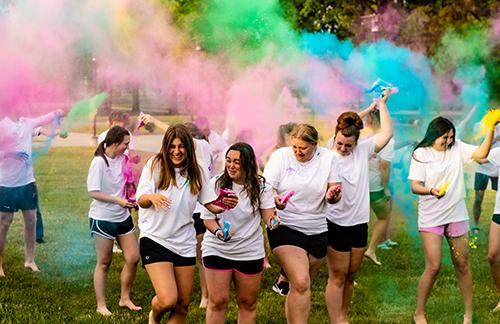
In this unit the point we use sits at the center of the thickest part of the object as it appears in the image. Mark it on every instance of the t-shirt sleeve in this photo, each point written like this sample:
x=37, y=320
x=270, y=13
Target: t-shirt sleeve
x=41, y=120
x=205, y=213
x=387, y=153
x=273, y=168
x=96, y=172
x=466, y=151
x=494, y=157
x=267, y=197
x=146, y=181
x=207, y=193
x=367, y=146
x=417, y=169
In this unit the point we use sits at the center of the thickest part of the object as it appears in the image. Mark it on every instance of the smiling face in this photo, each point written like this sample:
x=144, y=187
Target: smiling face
x=303, y=150
x=443, y=142
x=344, y=145
x=177, y=152
x=233, y=166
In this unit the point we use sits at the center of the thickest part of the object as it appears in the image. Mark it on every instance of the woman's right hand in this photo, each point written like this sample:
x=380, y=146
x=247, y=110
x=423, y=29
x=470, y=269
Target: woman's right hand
x=279, y=204
x=159, y=201
x=124, y=203
x=436, y=193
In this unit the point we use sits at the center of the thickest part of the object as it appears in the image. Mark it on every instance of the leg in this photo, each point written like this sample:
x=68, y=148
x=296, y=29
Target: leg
x=382, y=210
x=494, y=257
x=338, y=268
x=295, y=262
x=164, y=283
x=29, y=239
x=247, y=290
x=184, y=277
x=201, y=272
x=356, y=258
x=130, y=249
x=104, y=253
x=5, y=221
x=478, y=201
x=433, y=251
x=459, y=249
x=219, y=285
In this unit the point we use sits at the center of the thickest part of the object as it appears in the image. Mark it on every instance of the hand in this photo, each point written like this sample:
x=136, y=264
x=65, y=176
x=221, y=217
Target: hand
x=279, y=205
x=230, y=201
x=333, y=193
x=124, y=203
x=145, y=118
x=220, y=235
x=273, y=222
x=436, y=193
x=385, y=96
x=159, y=201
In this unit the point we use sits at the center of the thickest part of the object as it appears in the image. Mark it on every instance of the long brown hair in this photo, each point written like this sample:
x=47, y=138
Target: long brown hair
x=167, y=169
x=254, y=183
x=115, y=135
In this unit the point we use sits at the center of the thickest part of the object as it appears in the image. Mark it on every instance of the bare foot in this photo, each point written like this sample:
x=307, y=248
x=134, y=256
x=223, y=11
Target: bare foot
x=204, y=302
x=267, y=265
x=372, y=257
x=2, y=274
x=104, y=311
x=151, y=319
x=31, y=266
x=129, y=304
x=468, y=319
x=420, y=319
x=497, y=308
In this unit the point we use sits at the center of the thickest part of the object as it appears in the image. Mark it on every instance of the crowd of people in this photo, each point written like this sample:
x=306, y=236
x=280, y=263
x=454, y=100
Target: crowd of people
x=313, y=201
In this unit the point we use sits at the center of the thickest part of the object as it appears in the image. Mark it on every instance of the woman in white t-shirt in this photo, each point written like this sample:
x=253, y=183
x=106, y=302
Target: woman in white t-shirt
x=299, y=243
x=348, y=219
x=110, y=217
x=171, y=183
x=437, y=175
x=239, y=257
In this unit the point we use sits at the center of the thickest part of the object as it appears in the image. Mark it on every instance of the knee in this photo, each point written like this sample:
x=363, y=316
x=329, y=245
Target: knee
x=433, y=269
x=181, y=308
x=494, y=258
x=462, y=267
x=166, y=302
x=247, y=304
x=337, y=278
x=103, y=265
x=218, y=301
x=132, y=259
x=349, y=277
x=301, y=285
x=6, y=221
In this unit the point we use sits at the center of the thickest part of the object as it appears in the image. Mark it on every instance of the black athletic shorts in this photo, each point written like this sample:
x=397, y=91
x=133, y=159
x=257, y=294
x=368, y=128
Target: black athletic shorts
x=152, y=252
x=313, y=244
x=111, y=230
x=249, y=268
x=344, y=238
x=481, y=181
x=13, y=199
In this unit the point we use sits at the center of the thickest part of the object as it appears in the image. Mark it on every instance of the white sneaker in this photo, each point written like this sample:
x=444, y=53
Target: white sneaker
x=116, y=248
x=390, y=243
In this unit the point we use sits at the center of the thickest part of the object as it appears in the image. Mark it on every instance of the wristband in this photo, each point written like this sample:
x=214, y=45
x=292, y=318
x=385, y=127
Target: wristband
x=216, y=230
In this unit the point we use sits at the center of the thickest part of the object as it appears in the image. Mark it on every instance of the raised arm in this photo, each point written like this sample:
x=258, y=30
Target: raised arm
x=386, y=129
x=482, y=150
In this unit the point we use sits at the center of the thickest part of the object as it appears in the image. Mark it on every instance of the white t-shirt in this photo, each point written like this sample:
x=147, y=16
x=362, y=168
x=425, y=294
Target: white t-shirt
x=494, y=159
x=172, y=228
x=247, y=240
x=488, y=168
x=16, y=136
x=204, y=157
x=354, y=206
x=386, y=154
x=109, y=180
x=102, y=137
x=305, y=211
x=433, y=168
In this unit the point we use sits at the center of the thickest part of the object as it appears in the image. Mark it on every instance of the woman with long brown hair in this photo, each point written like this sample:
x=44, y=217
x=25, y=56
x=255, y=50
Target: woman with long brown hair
x=171, y=183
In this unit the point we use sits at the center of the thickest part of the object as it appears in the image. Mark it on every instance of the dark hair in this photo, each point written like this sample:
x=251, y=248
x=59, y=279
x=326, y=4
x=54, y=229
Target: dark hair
x=306, y=133
x=115, y=135
x=195, y=131
x=253, y=183
x=285, y=129
x=349, y=124
x=437, y=128
x=167, y=169
x=119, y=116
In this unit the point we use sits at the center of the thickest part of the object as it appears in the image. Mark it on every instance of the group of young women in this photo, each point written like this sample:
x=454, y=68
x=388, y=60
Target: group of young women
x=325, y=214
x=329, y=193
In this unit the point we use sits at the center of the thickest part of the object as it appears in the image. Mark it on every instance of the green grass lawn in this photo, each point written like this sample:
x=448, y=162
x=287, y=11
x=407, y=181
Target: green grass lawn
x=62, y=292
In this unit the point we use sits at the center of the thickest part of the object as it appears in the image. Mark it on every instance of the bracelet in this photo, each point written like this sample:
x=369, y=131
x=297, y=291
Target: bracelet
x=216, y=230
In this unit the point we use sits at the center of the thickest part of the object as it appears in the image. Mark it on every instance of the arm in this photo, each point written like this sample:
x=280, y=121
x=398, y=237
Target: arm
x=417, y=187
x=214, y=228
x=156, y=200
x=101, y=196
x=386, y=130
x=385, y=172
x=333, y=193
x=158, y=123
x=268, y=215
x=482, y=150
x=363, y=113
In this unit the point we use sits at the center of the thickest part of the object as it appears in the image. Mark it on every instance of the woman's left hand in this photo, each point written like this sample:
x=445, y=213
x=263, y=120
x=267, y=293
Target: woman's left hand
x=231, y=200
x=274, y=221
